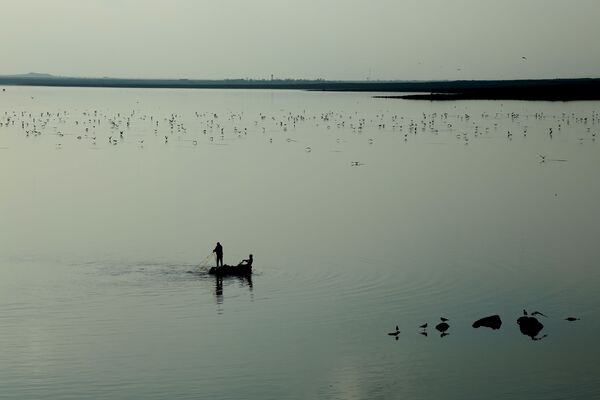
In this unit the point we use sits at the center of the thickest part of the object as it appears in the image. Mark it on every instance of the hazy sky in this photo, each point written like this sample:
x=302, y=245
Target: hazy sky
x=331, y=39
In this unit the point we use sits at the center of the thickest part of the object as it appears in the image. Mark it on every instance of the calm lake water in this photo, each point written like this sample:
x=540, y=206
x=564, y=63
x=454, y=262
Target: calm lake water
x=362, y=214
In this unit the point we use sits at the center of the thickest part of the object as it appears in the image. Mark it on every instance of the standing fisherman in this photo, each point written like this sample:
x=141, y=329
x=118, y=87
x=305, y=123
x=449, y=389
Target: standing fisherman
x=219, y=253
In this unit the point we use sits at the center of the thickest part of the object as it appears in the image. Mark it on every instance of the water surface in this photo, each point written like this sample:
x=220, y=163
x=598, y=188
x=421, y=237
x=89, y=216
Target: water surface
x=362, y=214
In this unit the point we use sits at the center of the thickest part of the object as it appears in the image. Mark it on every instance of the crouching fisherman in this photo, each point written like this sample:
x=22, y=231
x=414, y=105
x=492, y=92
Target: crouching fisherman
x=247, y=262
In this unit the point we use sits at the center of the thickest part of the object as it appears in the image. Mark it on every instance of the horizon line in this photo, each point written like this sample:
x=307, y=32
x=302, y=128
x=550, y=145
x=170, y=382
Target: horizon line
x=43, y=75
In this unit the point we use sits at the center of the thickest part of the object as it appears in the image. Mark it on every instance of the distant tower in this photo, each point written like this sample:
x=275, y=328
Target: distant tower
x=271, y=76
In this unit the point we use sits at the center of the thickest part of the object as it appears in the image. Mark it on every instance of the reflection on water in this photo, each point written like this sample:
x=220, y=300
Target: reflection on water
x=243, y=280
x=364, y=213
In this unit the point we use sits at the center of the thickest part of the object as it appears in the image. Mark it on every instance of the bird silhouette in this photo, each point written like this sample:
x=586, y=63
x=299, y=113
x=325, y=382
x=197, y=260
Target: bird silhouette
x=395, y=333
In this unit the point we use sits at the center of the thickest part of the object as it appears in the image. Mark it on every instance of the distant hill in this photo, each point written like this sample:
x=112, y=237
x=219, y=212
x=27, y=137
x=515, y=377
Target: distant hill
x=29, y=75
x=39, y=75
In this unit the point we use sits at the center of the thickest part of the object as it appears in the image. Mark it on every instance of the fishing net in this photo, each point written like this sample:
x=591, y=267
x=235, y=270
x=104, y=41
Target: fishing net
x=207, y=262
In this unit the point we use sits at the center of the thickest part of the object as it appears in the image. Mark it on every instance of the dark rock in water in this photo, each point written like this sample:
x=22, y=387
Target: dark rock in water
x=530, y=326
x=442, y=327
x=493, y=321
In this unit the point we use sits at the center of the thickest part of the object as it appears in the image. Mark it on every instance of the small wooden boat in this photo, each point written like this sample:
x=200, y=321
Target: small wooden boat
x=231, y=270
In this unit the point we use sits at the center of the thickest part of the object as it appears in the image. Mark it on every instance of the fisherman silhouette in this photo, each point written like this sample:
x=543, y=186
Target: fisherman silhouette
x=246, y=263
x=219, y=253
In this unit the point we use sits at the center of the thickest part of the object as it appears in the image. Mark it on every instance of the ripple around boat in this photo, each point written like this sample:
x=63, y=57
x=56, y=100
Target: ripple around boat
x=231, y=270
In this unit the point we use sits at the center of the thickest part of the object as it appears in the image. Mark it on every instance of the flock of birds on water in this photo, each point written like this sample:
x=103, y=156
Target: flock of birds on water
x=102, y=129
x=528, y=324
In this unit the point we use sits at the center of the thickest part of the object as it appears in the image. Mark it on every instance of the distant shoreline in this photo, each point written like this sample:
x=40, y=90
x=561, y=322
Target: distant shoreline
x=559, y=90
x=531, y=89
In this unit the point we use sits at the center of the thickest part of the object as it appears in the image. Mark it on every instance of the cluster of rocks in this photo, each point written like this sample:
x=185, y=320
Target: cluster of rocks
x=528, y=324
